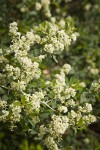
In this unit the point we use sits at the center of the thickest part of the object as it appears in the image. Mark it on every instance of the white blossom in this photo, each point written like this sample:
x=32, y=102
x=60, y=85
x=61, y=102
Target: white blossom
x=66, y=68
x=59, y=124
x=49, y=48
x=89, y=119
x=38, y=6
x=16, y=110
x=51, y=144
x=63, y=109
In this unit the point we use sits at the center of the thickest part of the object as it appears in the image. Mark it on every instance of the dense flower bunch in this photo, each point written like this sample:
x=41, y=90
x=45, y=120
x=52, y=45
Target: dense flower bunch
x=96, y=86
x=49, y=109
x=57, y=11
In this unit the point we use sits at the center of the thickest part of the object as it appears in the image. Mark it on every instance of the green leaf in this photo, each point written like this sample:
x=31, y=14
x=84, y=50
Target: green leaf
x=23, y=99
x=69, y=148
x=5, y=97
x=39, y=147
x=54, y=104
x=32, y=132
x=32, y=123
x=17, y=103
x=2, y=135
x=44, y=25
x=87, y=97
x=2, y=91
x=44, y=115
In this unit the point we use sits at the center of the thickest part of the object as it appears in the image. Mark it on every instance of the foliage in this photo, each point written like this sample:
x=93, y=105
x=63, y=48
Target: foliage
x=49, y=74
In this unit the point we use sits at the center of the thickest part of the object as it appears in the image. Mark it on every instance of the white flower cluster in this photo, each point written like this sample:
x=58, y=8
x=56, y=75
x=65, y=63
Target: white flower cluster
x=82, y=114
x=38, y=6
x=4, y=113
x=64, y=38
x=12, y=72
x=54, y=47
x=23, y=69
x=45, y=5
x=21, y=43
x=42, y=131
x=89, y=119
x=10, y=112
x=62, y=109
x=96, y=86
x=74, y=36
x=93, y=70
x=57, y=40
x=15, y=110
x=61, y=90
x=51, y=144
x=33, y=102
x=50, y=105
x=62, y=23
x=58, y=125
x=70, y=103
x=86, y=109
x=3, y=103
x=66, y=68
x=75, y=115
x=19, y=85
x=13, y=28
x=69, y=92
